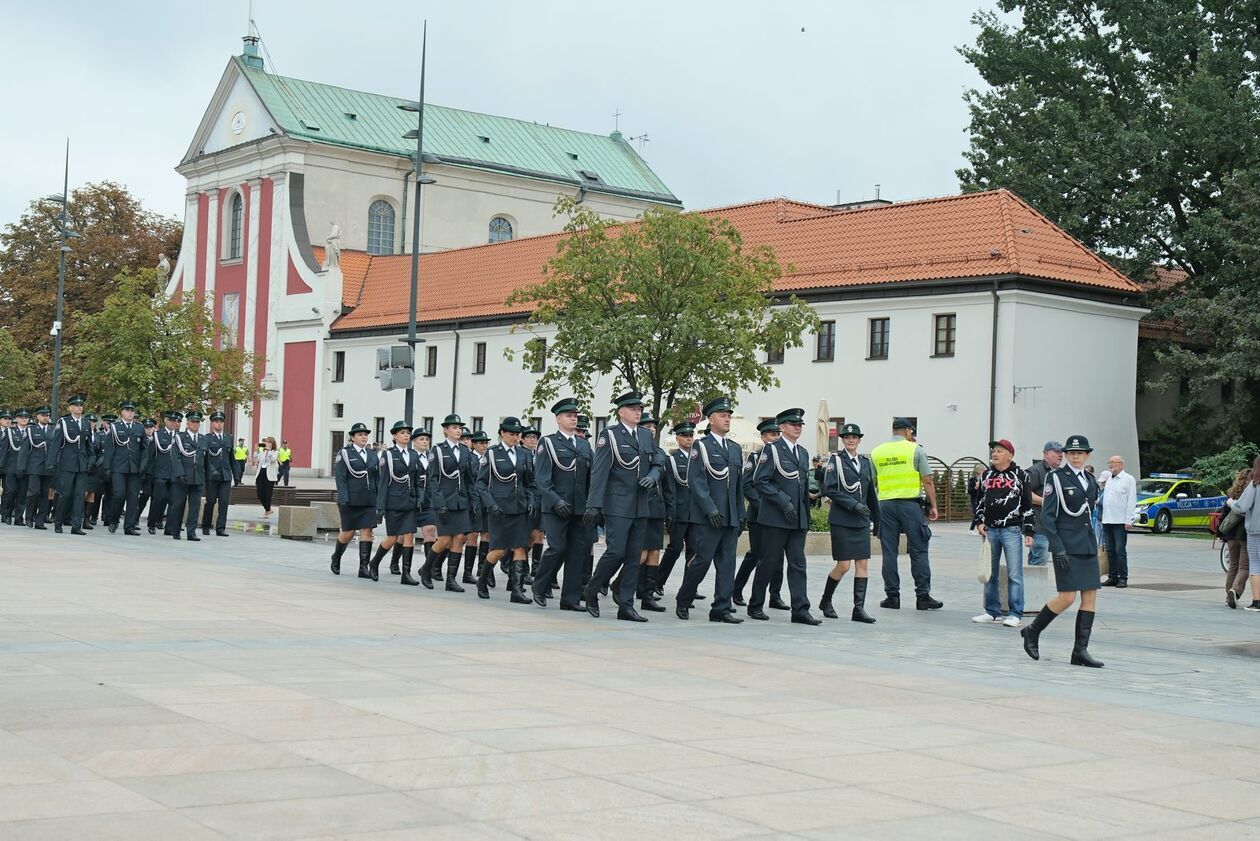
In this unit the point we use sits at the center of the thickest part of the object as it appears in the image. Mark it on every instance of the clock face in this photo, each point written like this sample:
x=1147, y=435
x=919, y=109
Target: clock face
x=238, y=122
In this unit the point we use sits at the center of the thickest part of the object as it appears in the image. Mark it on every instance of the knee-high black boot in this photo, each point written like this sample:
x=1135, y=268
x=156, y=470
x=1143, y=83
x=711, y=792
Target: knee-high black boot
x=647, y=589
x=1032, y=634
x=365, y=558
x=483, y=578
x=1080, y=651
x=469, y=561
x=339, y=549
x=535, y=558
x=374, y=568
x=516, y=582
x=470, y=558
x=824, y=604
x=393, y=560
x=483, y=551
x=431, y=560
x=452, y=573
x=407, y=554
x=859, y=602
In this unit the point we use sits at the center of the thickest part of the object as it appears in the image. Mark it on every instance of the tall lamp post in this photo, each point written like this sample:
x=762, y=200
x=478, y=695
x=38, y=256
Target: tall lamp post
x=66, y=234
x=417, y=134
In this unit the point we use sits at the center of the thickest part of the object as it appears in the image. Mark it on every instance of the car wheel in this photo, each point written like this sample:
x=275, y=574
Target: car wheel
x=1163, y=523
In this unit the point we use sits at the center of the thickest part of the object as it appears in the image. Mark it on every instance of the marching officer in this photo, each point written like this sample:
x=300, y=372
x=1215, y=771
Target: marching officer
x=396, y=490
x=426, y=522
x=450, y=486
x=660, y=504
x=1067, y=518
x=902, y=472
x=562, y=475
x=678, y=520
x=161, y=468
x=782, y=482
x=13, y=502
x=100, y=494
x=355, y=472
x=769, y=431
x=71, y=451
x=715, y=481
x=38, y=469
x=849, y=482
x=477, y=541
x=121, y=456
x=6, y=421
x=188, y=478
x=624, y=471
x=506, y=486
x=146, y=466
x=529, y=440
x=219, y=477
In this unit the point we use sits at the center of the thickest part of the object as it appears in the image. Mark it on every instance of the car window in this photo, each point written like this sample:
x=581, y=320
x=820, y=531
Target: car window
x=1158, y=487
x=1187, y=488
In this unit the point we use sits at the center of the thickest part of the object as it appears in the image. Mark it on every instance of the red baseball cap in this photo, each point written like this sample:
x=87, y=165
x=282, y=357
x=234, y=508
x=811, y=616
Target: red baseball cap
x=1004, y=444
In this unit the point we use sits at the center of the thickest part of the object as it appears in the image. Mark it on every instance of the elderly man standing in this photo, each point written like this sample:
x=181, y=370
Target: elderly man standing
x=1038, y=474
x=1119, y=501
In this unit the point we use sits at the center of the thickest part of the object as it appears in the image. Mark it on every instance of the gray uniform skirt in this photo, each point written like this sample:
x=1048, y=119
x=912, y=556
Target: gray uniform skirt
x=456, y=523
x=355, y=517
x=850, y=543
x=425, y=517
x=510, y=531
x=1081, y=574
x=400, y=522
x=654, y=534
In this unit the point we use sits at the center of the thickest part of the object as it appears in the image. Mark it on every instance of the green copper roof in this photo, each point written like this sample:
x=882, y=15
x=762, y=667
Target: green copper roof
x=328, y=114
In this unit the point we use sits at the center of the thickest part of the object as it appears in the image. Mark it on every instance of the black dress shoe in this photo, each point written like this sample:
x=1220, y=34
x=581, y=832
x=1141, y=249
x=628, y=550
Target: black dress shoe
x=41, y=527
x=926, y=602
x=1111, y=582
x=77, y=530
x=194, y=538
x=591, y=597
x=88, y=526
x=174, y=537
x=152, y=530
x=113, y=529
x=757, y=613
x=574, y=607
x=726, y=618
x=205, y=531
x=699, y=597
x=1123, y=584
x=221, y=534
x=777, y=603
x=132, y=532
x=806, y=618
x=629, y=614
x=539, y=598
x=651, y=605
x=738, y=600
x=57, y=528
x=683, y=613
x=891, y=602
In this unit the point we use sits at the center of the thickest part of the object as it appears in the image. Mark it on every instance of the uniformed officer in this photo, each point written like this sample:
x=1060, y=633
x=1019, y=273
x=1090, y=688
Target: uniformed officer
x=219, y=477
x=583, y=431
x=624, y=471
x=1067, y=514
x=451, y=485
x=188, y=478
x=100, y=492
x=477, y=541
x=902, y=473
x=849, y=482
x=660, y=504
x=122, y=451
x=6, y=421
x=529, y=440
x=562, y=475
x=38, y=469
x=769, y=431
x=161, y=469
x=678, y=521
x=782, y=482
x=716, y=484
x=13, y=502
x=506, y=485
x=426, y=522
x=146, y=466
x=396, y=490
x=71, y=451
x=355, y=472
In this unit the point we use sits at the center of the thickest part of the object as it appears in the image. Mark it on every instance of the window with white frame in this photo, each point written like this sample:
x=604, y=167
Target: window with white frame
x=380, y=239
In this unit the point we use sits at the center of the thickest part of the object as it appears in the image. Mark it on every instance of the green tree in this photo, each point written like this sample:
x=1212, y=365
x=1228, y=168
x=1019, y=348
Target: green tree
x=1135, y=125
x=163, y=354
x=674, y=306
x=117, y=235
x=17, y=377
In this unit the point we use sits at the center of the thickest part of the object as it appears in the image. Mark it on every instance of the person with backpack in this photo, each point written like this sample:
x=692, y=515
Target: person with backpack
x=1248, y=505
x=1235, y=539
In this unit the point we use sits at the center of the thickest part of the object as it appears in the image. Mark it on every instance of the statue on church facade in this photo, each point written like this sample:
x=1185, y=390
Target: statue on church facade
x=332, y=251
x=164, y=267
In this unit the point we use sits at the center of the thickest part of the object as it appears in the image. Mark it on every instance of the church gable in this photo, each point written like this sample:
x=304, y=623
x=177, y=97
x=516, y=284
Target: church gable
x=236, y=115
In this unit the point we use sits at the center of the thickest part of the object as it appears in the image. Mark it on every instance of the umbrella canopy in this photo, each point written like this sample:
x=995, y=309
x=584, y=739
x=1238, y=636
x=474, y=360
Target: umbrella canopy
x=822, y=443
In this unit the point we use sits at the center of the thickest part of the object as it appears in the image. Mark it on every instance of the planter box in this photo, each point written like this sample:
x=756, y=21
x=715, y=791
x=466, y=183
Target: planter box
x=327, y=517
x=296, y=522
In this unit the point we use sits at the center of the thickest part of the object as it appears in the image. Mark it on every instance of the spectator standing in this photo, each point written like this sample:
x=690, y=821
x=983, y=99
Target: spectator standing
x=815, y=487
x=1119, y=501
x=1236, y=542
x=240, y=457
x=1051, y=459
x=902, y=476
x=268, y=473
x=1004, y=518
x=974, y=491
x=1249, y=504
x=284, y=456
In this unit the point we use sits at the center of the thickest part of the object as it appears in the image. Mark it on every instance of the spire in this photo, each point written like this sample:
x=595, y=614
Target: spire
x=250, y=54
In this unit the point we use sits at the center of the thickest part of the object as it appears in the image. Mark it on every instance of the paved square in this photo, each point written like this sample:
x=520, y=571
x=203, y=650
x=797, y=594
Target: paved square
x=235, y=689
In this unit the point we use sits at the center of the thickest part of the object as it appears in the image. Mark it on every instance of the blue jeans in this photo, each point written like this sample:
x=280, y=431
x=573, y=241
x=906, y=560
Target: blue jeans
x=1010, y=540
x=1116, y=539
x=1039, y=552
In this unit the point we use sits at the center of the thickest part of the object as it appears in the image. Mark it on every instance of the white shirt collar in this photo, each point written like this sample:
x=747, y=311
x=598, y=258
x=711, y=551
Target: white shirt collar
x=720, y=438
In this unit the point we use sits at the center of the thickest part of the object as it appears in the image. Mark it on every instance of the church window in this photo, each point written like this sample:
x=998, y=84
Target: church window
x=234, y=227
x=380, y=239
x=500, y=229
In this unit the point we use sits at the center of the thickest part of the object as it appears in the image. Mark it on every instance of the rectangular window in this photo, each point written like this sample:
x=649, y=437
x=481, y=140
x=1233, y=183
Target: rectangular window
x=427, y=423
x=536, y=422
x=430, y=361
x=479, y=358
x=833, y=435
x=339, y=366
x=478, y=424
x=601, y=424
x=825, y=350
x=230, y=318
x=379, y=426
x=539, y=350
x=339, y=410
x=877, y=347
x=774, y=356
x=946, y=328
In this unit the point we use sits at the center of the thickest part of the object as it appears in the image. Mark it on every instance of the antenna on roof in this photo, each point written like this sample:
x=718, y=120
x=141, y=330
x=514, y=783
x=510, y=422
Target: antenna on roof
x=642, y=140
x=617, y=120
x=876, y=192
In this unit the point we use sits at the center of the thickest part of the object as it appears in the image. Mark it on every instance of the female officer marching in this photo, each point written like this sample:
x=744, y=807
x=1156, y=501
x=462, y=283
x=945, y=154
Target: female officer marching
x=849, y=482
x=355, y=471
x=1067, y=521
x=396, y=500
x=506, y=486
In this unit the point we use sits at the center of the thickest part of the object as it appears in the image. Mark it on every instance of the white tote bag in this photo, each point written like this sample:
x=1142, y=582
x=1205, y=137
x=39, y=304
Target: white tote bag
x=984, y=569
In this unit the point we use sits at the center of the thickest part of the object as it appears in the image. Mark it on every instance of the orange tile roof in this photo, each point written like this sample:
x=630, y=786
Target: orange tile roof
x=354, y=271
x=965, y=236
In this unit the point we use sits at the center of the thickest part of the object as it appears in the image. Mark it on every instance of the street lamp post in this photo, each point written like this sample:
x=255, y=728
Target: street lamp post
x=66, y=234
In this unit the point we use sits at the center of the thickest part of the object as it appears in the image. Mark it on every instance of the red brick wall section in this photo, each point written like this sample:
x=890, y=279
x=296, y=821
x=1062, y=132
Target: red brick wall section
x=297, y=391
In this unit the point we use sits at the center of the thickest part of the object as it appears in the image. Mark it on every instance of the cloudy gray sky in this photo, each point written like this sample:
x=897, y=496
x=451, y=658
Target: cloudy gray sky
x=741, y=100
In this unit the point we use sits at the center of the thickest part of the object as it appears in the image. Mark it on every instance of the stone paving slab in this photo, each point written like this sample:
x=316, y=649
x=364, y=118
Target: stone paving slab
x=235, y=689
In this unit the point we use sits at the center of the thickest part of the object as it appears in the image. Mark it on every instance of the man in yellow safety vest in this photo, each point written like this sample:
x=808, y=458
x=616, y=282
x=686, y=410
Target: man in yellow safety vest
x=284, y=456
x=903, y=475
x=240, y=456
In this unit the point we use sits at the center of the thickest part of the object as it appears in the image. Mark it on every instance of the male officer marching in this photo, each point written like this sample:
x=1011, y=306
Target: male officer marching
x=782, y=482
x=768, y=429
x=13, y=504
x=71, y=451
x=625, y=469
x=38, y=469
x=188, y=478
x=562, y=475
x=123, y=450
x=161, y=469
x=715, y=481
x=219, y=477
x=679, y=525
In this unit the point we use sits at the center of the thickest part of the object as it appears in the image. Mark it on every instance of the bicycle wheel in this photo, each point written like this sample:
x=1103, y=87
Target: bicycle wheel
x=1224, y=556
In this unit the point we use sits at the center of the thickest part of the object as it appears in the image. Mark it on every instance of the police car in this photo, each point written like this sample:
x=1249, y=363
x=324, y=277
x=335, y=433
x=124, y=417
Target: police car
x=1175, y=500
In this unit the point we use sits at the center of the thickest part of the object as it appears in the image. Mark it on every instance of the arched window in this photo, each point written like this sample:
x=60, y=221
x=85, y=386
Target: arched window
x=380, y=239
x=500, y=229
x=236, y=215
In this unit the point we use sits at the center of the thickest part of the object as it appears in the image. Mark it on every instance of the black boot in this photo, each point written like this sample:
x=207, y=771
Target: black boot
x=516, y=582
x=426, y=569
x=339, y=549
x=407, y=554
x=824, y=604
x=393, y=559
x=1080, y=651
x=746, y=569
x=859, y=602
x=469, y=562
x=374, y=568
x=647, y=590
x=535, y=558
x=483, y=581
x=452, y=570
x=365, y=558
x=1032, y=634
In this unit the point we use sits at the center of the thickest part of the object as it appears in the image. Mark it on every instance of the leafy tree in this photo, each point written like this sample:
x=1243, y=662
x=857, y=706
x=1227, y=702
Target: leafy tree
x=17, y=379
x=1218, y=469
x=674, y=306
x=117, y=235
x=1135, y=125
x=163, y=354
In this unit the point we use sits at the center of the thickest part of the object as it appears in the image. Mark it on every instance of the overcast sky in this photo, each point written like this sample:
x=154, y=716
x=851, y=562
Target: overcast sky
x=741, y=100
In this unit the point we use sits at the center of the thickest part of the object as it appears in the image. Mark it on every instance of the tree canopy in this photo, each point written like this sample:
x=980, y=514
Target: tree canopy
x=674, y=306
x=17, y=377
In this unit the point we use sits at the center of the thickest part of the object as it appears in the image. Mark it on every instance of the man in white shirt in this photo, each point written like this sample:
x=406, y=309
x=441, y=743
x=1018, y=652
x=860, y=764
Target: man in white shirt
x=1119, y=498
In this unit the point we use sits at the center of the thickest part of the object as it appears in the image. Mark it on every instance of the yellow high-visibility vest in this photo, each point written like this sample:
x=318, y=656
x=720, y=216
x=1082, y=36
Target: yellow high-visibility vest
x=241, y=453
x=895, y=471
x=284, y=454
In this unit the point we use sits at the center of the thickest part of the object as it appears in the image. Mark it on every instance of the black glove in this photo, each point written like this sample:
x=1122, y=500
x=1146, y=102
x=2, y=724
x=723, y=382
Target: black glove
x=496, y=513
x=444, y=513
x=380, y=515
x=531, y=510
x=180, y=480
x=669, y=524
x=562, y=509
x=743, y=524
x=647, y=482
x=591, y=517
x=863, y=510
x=788, y=509
x=715, y=519
x=1061, y=561
x=875, y=530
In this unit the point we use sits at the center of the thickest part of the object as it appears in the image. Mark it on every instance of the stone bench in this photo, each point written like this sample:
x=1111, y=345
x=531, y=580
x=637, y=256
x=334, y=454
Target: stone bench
x=296, y=522
x=327, y=517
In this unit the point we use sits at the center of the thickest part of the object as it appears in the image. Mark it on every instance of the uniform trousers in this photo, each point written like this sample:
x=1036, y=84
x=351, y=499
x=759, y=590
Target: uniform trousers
x=184, y=505
x=37, y=498
x=898, y=517
x=125, y=492
x=569, y=543
x=749, y=565
x=624, y=539
x=776, y=544
x=218, y=494
x=70, y=490
x=714, y=546
x=13, y=500
x=159, y=502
